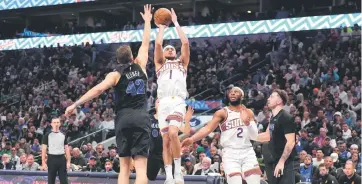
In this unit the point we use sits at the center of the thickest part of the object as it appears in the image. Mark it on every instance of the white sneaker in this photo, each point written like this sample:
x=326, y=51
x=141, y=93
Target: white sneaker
x=179, y=179
x=169, y=181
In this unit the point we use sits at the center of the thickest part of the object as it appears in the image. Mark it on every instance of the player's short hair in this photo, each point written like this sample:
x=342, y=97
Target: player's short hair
x=124, y=54
x=283, y=95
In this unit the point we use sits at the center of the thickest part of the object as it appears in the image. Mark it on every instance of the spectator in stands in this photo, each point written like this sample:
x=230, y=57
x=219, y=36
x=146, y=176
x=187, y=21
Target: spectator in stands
x=6, y=164
x=189, y=167
x=30, y=164
x=319, y=158
x=205, y=168
x=344, y=155
x=198, y=165
x=186, y=154
x=319, y=140
x=326, y=146
x=35, y=147
x=328, y=162
x=77, y=159
x=14, y=158
x=346, y=132
x=6, y=149
x=24, y=145
x=22, y=162
x=108, y=167
x=92, y=165
x=114, y=158
x=307, y=170
x=302, y=156
x=324, y=176
x=349, y=176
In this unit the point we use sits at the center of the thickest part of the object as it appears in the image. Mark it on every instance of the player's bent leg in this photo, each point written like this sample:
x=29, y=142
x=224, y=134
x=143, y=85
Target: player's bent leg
x=140, y=163
x=252, y=176
x=234, y=178
x=124, y=171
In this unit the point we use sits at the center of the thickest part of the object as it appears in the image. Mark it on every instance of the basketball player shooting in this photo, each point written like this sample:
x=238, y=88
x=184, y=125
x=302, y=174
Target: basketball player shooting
x=171, y=72
x=237, y=127
x=132, y=122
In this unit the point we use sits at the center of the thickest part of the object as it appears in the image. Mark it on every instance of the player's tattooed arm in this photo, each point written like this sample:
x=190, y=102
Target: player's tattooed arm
x=288, y=147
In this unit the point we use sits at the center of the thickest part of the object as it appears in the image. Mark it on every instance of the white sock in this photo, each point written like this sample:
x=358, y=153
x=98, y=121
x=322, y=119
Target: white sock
x=168, y=169
x=177, y=162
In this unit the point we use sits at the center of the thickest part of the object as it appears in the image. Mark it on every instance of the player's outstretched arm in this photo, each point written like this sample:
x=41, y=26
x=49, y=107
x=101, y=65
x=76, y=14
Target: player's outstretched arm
x=110, y=81
x=158, y=53
x=142, y=56
x=206, y=130
x=264, y=137
x=185, y=48
x=188, y=116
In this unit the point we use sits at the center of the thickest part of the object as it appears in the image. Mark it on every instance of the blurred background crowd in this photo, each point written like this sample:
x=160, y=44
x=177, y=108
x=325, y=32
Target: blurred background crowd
x=320, y=70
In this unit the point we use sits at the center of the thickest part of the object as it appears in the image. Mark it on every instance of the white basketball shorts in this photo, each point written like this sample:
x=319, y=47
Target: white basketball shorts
x=171, y=111
x=239, y=160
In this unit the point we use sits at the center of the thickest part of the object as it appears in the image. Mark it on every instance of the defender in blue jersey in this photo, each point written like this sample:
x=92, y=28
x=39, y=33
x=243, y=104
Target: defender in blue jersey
x=155, y=161
x=132, y=122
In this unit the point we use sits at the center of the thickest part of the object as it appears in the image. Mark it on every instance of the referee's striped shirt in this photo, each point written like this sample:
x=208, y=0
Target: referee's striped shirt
x=55, y=141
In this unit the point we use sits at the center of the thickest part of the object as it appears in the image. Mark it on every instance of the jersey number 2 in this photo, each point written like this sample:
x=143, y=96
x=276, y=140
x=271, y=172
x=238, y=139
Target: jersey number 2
x=240, y=133
x=136, y=88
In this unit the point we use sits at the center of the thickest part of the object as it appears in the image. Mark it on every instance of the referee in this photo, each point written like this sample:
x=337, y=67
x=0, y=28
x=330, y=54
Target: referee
x=58, y=154
x=279, y=164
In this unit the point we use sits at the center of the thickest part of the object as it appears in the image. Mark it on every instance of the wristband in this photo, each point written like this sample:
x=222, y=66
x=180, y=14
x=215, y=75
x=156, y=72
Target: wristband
x=176, y=24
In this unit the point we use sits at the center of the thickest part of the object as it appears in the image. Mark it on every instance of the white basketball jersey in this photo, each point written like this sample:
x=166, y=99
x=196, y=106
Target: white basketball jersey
x=234, y=134
x=171, y=79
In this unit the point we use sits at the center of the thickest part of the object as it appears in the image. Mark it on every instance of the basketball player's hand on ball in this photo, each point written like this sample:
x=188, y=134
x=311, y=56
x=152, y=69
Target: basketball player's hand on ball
x=69, y=110
x=173, y=16
x=147, y=15
x=246, y=115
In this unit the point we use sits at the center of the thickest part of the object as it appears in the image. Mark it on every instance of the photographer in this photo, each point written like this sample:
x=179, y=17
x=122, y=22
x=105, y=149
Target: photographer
x=324, y=176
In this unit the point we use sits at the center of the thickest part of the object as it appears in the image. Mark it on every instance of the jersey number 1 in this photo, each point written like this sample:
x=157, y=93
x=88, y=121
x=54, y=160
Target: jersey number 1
x=136, y=88
x=170, y=74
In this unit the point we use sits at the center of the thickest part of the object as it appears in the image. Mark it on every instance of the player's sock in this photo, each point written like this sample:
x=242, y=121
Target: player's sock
x=168, y=169
x=177, y=162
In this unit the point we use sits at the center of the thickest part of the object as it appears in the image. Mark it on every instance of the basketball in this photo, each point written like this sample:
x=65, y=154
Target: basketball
x=162, y=16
